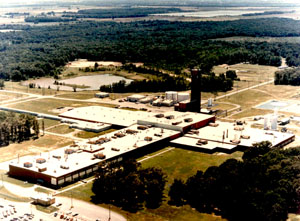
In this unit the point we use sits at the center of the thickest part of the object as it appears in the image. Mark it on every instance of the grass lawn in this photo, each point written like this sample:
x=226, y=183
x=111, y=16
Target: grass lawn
x=181, y=163
x=176, y=163
x=46, y=209
x=11, y=180
x=48, y=105
x=43, y=190
x=87, y=134
x=4, y=193
x=48, y=123
x=82, y=95
x=61, y=129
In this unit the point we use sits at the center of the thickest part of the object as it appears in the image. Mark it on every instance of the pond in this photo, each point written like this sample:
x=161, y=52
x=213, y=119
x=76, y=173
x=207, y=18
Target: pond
x=91, y=82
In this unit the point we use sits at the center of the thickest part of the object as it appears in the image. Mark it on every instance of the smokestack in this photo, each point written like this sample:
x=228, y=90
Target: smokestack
x=196, y=91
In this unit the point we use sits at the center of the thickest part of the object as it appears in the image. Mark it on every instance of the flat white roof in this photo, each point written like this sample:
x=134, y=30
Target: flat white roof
x=179, y=117
x=106, y=115
x=211, y=145
x=81, y=159
x=216, y=134
x=126, y=118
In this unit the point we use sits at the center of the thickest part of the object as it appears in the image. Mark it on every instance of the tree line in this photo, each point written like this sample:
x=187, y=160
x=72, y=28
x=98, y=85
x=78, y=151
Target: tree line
x=123, y=12
x=209, y=83
x=17, y=128
x=289, y=76
x=263, y=186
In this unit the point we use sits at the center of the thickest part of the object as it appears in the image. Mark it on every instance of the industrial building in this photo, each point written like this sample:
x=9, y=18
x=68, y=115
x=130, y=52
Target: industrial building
x=230, y=137
x=141, y=133
x=79, y=160
x=102, y=94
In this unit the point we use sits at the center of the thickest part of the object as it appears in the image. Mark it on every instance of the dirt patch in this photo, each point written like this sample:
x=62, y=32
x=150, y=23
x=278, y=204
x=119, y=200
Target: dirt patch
x=82, y=63
x=60, y=110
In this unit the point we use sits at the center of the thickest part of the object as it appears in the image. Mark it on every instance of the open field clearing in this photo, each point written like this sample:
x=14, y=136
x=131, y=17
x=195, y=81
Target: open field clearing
x=5, y=96
x=78, y=95
x=48, y=105
x=70, y=72
x=17, y=87
x=61, y=129
x=181, y=163
x=33, y=147
x=261, y=39
x=82, y=63
x=249, y=72
x=47, y=123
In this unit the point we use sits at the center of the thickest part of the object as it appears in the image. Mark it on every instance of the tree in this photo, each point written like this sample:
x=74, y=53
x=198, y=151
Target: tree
x=177, y=193
x=154, y=180
x=126, y=185
x=231, y=74
x=2, y=85
x=36, y=128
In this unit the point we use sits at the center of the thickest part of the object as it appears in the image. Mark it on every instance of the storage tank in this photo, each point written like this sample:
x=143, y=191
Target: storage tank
x=209, y=102
x=274, y=122
x=266, y=122
x=183, y=96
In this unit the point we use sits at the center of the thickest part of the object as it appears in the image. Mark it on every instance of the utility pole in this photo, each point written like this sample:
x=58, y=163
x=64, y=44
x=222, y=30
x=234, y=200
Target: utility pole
x=71, y=200
x=109, y=218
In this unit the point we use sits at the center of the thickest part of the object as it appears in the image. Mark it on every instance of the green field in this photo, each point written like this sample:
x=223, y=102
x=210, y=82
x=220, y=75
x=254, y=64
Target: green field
x=61, y=129
x=87, y=134
x=181, y=163
x=48, y=105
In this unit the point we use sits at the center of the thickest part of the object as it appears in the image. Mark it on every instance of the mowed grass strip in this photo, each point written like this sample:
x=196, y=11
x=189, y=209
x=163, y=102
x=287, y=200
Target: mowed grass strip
x=48, y=105
x=78, y=95
x=61, y=129
x=88, y=134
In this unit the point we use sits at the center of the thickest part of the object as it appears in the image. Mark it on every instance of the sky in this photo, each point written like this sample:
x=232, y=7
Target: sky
x=26, y=2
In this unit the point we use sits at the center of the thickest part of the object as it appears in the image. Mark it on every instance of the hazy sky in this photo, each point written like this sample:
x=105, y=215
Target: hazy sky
x=26, y=2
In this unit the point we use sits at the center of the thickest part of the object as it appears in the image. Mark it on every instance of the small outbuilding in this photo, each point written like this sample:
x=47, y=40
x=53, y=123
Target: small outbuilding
x=102, y=94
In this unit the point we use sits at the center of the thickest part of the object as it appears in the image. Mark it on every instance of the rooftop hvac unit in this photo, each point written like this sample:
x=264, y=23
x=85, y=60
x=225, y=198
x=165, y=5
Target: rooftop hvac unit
x=64, y=167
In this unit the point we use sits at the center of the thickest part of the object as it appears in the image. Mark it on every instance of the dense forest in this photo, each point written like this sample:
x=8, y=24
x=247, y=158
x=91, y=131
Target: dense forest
x=125, y=12
x=264, y=186
x=45, y=19
x=267, y=13
x=17, y=128
x=43, y=50
x=289, y=76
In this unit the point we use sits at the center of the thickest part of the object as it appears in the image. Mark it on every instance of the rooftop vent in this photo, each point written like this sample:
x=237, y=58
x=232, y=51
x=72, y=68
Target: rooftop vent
x=40, y=160
x=27, y=164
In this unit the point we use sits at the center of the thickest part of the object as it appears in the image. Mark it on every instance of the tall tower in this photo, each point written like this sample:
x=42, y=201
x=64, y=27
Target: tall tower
x=195, y=91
